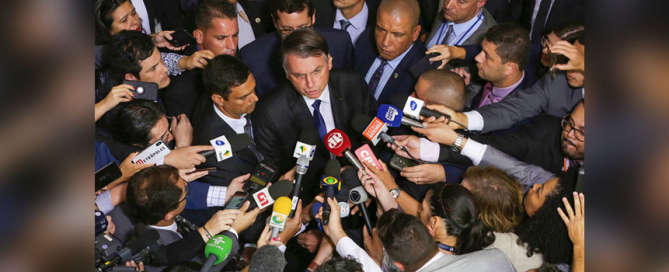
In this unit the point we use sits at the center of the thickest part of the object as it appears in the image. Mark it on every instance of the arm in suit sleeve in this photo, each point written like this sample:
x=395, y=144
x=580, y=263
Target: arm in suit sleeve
x=515, y=144
x=471, y=51
x=527, y=174
x=266, y=137
x=518, y=106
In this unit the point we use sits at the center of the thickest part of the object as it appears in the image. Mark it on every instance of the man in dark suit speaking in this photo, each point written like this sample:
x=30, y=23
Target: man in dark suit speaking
x=314, y=96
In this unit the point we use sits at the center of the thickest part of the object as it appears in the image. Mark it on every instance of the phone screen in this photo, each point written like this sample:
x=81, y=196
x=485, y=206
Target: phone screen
x=237, y=201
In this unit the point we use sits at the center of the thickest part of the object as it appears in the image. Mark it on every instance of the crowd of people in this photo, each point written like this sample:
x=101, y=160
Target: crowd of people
x=487, y=175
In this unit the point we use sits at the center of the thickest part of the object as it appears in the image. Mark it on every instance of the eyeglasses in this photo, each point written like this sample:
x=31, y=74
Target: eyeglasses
x=568, y=125
x=187, y=189
x=286, y=31
x=545, y=42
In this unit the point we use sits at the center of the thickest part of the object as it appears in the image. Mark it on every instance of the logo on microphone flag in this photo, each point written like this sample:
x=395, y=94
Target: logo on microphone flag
x=413, y=105
x=335, y=140
x=278, y=219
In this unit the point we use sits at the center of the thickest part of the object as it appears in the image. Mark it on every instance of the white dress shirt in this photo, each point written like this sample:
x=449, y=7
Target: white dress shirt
x=140, y=8
x=347, y=248
x=246, y=35
x=429, y=151
x=325, y=108
x=236, y=124
x=358, y=23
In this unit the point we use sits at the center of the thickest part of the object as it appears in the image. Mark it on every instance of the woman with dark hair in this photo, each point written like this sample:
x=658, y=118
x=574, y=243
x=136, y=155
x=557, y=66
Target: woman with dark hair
x=569, y=32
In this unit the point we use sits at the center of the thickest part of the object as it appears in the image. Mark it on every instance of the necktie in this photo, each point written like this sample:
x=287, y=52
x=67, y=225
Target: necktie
x=449, y=35
x=248, y=129
x=487, y=89
x=318, y=119
x=344, y=24
x=540, y=20
x=376, y=78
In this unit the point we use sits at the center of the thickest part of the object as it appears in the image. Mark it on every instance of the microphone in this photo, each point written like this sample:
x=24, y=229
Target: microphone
x=374, y=129
x=364, y=153
x=267, y=258
x=266, y=197
x=338, y=143
x=314, y=211
x=279, y=214
x=414, y=107
x=330, y=185
x=225, y=146
x=304, y=152
x=358, y=196
x=218, y=249
x=395, y=117
x=134, y=247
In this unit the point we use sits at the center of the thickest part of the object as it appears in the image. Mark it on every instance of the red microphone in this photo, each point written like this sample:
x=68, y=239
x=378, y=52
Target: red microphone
x=338, y=143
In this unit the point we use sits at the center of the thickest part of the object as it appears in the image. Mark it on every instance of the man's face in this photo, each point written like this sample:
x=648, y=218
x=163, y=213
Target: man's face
x=220, y=37
x=536, y=196
x=286, y=23
x=309, y=75
x=489, y=64
x=572, y=147
x=342, y=4
x=394, y=34
x=161, y=131
x=242, y=99
x=460, y=11
x=153, y=70
x=125, y=18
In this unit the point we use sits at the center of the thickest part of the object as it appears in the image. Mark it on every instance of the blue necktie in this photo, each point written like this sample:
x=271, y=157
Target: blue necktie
x=318, y=119
x=344, y=24
x=376, y=78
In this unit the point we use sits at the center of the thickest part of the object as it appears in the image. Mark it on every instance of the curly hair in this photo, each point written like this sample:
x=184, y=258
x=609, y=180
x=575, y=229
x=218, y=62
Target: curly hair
x=458, y=209
x=545, y=232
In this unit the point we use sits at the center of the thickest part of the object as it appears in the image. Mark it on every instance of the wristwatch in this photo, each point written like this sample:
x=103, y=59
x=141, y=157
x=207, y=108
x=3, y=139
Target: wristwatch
x=395, y=193
x=457, y=145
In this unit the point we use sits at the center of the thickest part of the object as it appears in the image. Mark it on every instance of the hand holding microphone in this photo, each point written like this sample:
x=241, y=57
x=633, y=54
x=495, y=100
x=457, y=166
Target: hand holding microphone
x=334, y=229
x=330, y=185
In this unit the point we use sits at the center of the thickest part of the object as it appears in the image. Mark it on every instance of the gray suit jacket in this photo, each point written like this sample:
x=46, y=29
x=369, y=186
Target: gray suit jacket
x=555, y=98
x=527, y=174
x=483, y=260
x=475, y=38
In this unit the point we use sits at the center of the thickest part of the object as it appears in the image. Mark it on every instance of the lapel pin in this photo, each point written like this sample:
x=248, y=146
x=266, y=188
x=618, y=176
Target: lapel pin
x=257, y=20
x=396, y=75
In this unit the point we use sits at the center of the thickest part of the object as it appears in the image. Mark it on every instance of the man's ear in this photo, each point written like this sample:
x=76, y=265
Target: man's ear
x=399, y=265
x=313, y=18
x=481, y=3
x=199, y=36
x=129, y=76
x=169, y=215
x=416, y=33
x=217, y=98
x=510, y=67
x=329, y=62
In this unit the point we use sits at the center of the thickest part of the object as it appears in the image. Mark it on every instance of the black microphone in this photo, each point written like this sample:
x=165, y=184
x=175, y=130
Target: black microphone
x=414, y=107
x=304, y=152
x=134, y=247
x=357, y=194
x=330, y=185
x=266, y=197
x=237, y=142
x=347, y=183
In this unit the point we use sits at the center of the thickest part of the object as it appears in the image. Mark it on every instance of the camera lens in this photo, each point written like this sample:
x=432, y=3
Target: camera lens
x=140, y=90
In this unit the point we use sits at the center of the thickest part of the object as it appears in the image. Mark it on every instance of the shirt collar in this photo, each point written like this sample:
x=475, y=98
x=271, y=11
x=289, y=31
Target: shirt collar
x=434, y=259
x=359, y=20
x=503, y=92
x=234, y=123
x=460, y=28
x=393, y=63
x=172, y=227
x=325, y=97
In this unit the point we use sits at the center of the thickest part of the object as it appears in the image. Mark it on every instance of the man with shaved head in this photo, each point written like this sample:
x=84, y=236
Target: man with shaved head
x=442, y=87
x=385, y=53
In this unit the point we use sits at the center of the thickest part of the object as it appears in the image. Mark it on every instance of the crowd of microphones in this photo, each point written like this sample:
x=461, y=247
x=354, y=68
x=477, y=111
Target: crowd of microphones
x=284, y=195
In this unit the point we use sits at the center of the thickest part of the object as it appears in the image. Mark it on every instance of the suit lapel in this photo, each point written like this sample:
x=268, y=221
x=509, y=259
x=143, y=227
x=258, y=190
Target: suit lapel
x=338, y=107
x=435, y=26
x=398, y=74
x=222, y=128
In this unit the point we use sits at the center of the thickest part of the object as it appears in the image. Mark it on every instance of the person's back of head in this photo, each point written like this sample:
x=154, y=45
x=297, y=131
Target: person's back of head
x=208, y=10
x=340, y=265
x=135, y=120
x=406, y=239
x=125, y=52
x=512, y=41
x=223, y=73
x=153, y=192
x=267, y=258
x=443, y=87
x=498, y=195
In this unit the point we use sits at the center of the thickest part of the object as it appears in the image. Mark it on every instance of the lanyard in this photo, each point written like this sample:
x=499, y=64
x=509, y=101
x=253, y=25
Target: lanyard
x=441, y=29
x=445, y=247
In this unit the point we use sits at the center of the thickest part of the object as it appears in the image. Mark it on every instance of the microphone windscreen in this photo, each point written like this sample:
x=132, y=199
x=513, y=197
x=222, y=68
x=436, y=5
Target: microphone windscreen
x=283, y=205
x=239, y=141
x=267, y=258
x=399, y=100
x=332, y=168
x=337, y=142
x=220, y=245
x=360, y=122
x=280, y=188
x=350, y=177
x=309, y=135
x=390, y=115
x=358, y=195
x=144, y=240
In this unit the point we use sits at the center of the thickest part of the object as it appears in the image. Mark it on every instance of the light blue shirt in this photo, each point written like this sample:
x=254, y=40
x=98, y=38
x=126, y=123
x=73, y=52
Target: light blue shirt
x=387, y=71
x=459, y=31
x=358, y=23
x=246, y=35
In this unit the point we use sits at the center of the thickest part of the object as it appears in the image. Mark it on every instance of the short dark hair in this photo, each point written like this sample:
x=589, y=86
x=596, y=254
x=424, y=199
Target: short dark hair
x=104, y=19
x=406, y=239
x=291, y=6
x=339, y=264
x=498, y=195
x=570, y=32
x=224, y=73
x=210, y=9
x=267, y=258
x=135, y=121
x=513, y=43
x=545, y=232
x=446, y=88
x=127, y=49
x=153, y=192
x=457, y=208
x=304, y=43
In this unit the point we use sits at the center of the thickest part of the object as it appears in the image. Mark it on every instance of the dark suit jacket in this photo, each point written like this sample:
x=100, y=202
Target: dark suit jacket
x=563, y=11
x=365, y=54
x=258, y=15
x=537, y=143
x=326, y=12
x=265, y=59
x=280, y=117
x=182, y=93
x=528, y=80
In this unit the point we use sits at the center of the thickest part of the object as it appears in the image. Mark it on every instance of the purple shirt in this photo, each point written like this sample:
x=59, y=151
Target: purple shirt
x=493, y=94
